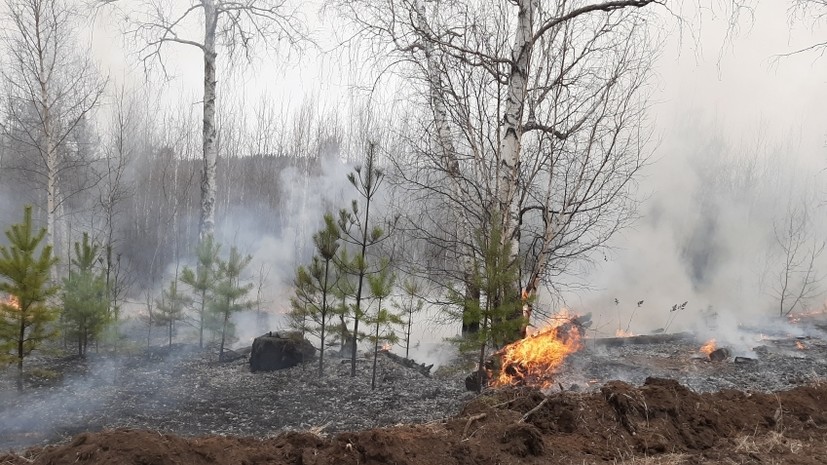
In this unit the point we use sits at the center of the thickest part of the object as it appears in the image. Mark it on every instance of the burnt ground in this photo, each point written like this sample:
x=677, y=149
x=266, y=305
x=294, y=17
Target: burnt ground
x=184, y=391
x=198, y=411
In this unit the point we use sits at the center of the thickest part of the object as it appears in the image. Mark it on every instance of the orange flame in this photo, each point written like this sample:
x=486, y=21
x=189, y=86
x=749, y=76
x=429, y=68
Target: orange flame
x=623, y=333
x=709, y=347
x=386, y=347
x=800, y=345
x=12, y=301
x=538, y=357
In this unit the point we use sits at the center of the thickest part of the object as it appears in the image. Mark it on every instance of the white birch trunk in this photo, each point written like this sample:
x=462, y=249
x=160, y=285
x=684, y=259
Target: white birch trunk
x=445, y=141
x=207, y=223
x=48, y=149
x=511, y=130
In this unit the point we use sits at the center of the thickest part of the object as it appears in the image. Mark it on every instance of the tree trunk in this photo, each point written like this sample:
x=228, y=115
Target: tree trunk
x=512, y=124
x=445, y=140
x=361, y=276
x=208, y=181
x=324, y=317
x=223, y=335
x=20, y=348
x=201, y=320
x=375, y=351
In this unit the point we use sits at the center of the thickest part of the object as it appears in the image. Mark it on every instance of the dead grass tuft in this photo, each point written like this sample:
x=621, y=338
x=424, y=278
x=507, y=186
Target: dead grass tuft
x=772, y=442
x=665, y=459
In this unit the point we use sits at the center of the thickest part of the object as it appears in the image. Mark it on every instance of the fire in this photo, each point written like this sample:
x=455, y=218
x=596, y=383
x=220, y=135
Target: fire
x=623, y=333
x=12, y=301
x=800, y=317
x=800, y=345
x=386, y=347
x=536, y=358
x=709, y=347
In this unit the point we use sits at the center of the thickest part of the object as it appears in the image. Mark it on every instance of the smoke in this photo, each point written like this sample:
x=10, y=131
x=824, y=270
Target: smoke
x=712, y=233
x=309, y=192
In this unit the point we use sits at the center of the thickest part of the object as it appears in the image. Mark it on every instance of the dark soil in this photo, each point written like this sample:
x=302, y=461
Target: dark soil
x=660, y=422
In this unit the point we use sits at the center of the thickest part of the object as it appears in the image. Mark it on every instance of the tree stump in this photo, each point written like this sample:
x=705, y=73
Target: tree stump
x=277, y=351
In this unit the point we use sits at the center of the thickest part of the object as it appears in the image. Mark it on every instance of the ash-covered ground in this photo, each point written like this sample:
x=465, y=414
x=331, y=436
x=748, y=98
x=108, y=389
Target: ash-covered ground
x=187, y=392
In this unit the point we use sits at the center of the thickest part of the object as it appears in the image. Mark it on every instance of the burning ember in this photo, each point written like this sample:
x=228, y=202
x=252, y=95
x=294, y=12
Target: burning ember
x=709, y=347
x=800, y=345
x=537, y=358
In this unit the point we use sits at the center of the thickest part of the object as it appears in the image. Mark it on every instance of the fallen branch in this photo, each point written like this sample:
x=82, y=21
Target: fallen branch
x=472, y=419
x=530, y=412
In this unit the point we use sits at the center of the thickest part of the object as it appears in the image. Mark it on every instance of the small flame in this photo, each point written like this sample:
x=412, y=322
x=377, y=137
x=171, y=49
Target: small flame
x=623, y=333
x=798, y=317
x=800, y=345
x=12, y=301
x=386, y=347
x=709, y=347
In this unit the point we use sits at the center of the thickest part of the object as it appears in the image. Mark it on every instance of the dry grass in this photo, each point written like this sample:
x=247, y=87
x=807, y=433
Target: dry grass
x=665, y=459
x=772, y=442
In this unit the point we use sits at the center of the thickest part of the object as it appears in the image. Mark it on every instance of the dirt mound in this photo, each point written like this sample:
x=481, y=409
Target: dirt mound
x=658, y=422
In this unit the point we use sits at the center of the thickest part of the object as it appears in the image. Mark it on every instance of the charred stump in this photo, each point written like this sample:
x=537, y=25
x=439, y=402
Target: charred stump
x=276, y=351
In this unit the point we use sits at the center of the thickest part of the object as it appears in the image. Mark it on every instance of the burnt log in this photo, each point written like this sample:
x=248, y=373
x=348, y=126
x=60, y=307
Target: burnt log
x=719, y=355
x=476, y=381
x=277, y=351
x=408, y=363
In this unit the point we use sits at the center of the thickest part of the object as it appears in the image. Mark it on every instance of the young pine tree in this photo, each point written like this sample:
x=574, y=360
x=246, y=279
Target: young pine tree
x=357, y=231
x=314, y=285
x=342, y=294
x=229, y=292
x=409, y=305
x=85, y=301
x=169, y=309
x=494, y=274
x=26, y=319
x=383, y=320
x=202, y=279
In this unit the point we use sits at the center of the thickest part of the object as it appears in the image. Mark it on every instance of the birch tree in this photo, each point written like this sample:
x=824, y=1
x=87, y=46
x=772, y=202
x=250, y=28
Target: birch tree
x=52, y=91
x=209, y=26
x=557, y=164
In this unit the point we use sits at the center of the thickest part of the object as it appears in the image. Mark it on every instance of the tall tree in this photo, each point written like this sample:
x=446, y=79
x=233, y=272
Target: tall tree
x=26, y=320
x=556, y=163
x=235, y=26
x=127, y=127
x=52, y=91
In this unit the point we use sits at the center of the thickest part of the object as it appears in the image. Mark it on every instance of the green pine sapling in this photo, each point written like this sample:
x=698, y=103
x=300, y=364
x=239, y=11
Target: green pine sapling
x=229, y=292
x=202, y=279
x=85, y=301
x=409, y=305
x=26, y=319
x=383, y=320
